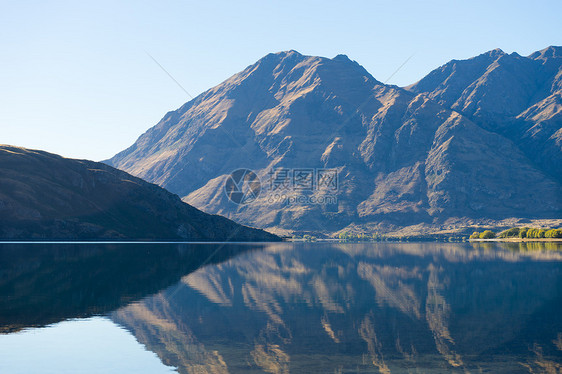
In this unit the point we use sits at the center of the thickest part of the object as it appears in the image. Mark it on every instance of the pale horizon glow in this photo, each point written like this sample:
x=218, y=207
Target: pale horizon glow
x=77, y=78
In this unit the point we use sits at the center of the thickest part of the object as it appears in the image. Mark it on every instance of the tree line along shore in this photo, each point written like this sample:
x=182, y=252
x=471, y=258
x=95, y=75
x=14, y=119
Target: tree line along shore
x=519, y=233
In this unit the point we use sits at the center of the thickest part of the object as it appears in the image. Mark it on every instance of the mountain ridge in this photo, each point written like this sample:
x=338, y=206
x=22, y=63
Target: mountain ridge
x=426, y=153
x=517, y=97
x=44, y=196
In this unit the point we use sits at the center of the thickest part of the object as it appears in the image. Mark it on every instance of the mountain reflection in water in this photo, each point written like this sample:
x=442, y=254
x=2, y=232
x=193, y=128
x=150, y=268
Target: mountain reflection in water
x=305, y=308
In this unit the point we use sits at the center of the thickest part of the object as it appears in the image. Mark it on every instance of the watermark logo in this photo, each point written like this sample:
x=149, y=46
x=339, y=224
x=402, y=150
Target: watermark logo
x=303, y=179
x=242, y=186
x=290, y=186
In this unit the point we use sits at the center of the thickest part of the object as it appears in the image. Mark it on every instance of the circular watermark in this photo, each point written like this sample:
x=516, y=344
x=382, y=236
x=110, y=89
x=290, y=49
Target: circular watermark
x=242, y=186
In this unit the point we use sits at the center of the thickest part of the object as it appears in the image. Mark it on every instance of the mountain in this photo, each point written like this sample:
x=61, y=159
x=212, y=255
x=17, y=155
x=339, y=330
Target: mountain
x=403, y=157
x=517, y=97
x=47, y=197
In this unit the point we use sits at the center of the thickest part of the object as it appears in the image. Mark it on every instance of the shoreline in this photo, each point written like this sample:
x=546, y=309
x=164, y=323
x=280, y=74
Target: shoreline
x=517, y=240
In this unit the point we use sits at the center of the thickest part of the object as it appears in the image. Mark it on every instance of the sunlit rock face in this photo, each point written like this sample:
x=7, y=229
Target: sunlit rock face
x=364, y=308
x=476, y=139
x=517, y=97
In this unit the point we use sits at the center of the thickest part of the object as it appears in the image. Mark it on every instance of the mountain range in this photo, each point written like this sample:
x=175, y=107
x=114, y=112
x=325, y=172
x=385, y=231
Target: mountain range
x=477, y=141
x=48, y=197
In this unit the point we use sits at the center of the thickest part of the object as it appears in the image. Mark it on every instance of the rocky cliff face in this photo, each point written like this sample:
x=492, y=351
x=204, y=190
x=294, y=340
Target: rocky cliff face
x=45, y=196
x=517, y=97
x=425, y=154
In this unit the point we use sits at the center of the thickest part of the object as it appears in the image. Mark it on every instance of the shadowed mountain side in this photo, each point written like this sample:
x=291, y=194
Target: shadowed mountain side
x=402, y=158
x=42, y=284
x=382, y=307
x=47, y=197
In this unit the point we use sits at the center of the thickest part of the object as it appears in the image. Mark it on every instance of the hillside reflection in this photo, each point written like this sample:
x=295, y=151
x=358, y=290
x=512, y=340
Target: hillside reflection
x=42, y=284
x=380, y=307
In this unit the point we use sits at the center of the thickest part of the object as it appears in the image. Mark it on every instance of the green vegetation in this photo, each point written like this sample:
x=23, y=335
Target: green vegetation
x=488, y=234
x=553, y=233
x=511, y=233
x=532, y=233
x=309, y=238
x=347, y=236
x=519, y=232
x=352, y=237
x=304, y=238
x=535, y=233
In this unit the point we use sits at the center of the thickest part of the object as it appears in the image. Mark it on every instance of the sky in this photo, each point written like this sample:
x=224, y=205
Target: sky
x=77, y=77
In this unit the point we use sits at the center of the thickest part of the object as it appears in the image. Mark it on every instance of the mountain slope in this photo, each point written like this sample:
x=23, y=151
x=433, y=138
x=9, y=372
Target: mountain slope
x=402, y=158
x=517, y=97
x=45, y=196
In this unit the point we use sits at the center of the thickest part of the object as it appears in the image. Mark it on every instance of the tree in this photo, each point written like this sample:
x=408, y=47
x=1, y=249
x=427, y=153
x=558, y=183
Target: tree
x=532, y=233
x=475, y=235
x=555, y=233
x=510, y=233
x=488, y=234
x=309, y=238
x=541, y=233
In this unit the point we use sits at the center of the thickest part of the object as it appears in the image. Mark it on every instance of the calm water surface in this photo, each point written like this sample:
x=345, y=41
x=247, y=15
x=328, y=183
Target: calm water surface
x=281, y=308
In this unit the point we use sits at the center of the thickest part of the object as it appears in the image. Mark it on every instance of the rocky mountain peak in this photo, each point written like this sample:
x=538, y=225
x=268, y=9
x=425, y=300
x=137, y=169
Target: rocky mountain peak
x=341, y=57
x=405, y=155
x=495, y=53
x=549, y=52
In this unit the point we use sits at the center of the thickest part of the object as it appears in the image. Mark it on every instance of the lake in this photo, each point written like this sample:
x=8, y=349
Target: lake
x=281, y=308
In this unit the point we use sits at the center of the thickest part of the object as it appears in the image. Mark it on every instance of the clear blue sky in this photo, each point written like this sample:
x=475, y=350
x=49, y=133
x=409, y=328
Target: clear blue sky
x=75, y=78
